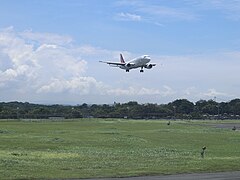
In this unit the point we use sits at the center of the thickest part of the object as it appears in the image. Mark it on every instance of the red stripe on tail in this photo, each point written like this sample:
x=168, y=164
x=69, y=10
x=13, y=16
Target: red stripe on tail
x=121, y=58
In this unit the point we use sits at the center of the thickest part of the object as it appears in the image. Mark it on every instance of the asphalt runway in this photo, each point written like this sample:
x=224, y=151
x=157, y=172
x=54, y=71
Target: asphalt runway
x=225, y=125
x=194, y=176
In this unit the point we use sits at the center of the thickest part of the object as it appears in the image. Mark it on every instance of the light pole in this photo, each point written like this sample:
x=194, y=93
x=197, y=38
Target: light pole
x=215, y=99
x=17, y=112
x=174, y=112
x=72, y=112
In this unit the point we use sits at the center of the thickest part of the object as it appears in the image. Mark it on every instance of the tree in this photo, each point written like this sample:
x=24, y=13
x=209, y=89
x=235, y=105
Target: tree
x=208, y=107
x=234, y=107
x=183, y=106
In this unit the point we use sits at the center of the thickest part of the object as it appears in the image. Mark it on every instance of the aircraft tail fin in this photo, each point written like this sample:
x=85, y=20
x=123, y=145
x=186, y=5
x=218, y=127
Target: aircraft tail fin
x=121, y=58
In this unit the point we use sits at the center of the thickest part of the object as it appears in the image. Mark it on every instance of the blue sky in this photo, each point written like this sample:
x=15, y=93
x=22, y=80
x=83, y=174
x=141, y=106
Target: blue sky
x=49, y=50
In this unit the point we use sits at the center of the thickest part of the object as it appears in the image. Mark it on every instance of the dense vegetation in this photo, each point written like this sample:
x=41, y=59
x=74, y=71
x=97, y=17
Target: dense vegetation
x=181, y=109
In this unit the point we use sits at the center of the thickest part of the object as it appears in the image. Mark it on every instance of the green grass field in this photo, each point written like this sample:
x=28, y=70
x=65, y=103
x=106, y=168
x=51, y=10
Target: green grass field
x=87, y=148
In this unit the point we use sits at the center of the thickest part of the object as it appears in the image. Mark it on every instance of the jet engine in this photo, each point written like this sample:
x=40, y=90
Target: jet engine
x=148, y=66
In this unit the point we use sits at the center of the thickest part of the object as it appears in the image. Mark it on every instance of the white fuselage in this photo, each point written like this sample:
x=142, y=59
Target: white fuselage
x=140, y=62
x=137, y=62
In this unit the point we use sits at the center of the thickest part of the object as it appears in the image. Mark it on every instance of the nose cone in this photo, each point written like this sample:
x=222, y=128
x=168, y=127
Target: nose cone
x=146, y=58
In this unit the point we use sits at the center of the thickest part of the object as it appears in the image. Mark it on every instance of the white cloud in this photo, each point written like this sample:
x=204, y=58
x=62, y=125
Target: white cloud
x=214, y=93
x=132, y=91
x=195, y=94
x=77, y=85
x=141, y=91
x=50, y=70
x=159, y=13
x=42, y=67
x=36, y=63
x=154, y=13
x=45, y=38
x=128, y=17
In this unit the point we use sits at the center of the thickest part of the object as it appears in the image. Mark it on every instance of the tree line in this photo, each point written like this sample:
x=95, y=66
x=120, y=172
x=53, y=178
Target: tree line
x=178, y=109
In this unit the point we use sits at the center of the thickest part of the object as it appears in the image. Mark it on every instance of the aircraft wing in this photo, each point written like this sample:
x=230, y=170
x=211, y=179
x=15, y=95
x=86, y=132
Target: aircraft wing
x=113, y=63
x=151, y=64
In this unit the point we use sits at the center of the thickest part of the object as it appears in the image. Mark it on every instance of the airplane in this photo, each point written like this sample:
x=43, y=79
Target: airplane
x=140, y=62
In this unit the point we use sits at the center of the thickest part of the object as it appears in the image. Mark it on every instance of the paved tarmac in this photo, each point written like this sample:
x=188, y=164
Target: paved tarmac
x=226, y=125
x=194, y=176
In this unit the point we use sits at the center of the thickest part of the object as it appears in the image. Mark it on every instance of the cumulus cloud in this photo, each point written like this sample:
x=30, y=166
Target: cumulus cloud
x=15, y=57
x=77, y=85
x=44, y=64
x=35, y=59
x=32, y=66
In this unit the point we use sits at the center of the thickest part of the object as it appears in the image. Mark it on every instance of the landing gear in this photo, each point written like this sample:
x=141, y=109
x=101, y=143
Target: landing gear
x=141, y=69
x=127, y=70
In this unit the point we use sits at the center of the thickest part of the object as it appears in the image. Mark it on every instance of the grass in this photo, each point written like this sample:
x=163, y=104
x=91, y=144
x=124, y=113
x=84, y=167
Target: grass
x=86, y=148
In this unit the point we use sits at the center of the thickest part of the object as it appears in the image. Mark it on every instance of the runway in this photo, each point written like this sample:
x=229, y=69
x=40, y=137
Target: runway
x=196, y=176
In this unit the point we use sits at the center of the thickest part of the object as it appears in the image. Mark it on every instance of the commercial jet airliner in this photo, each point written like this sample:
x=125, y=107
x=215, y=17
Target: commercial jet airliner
x=140, y=62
